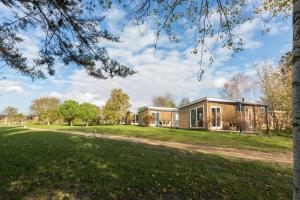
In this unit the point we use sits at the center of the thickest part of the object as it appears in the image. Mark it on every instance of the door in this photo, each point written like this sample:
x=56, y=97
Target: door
x=156, y=118
x=216, y=117
x=249, y=119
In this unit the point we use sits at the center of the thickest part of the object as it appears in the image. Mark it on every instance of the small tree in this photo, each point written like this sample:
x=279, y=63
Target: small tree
x=184, y=101
x=46, y=108
x=88, y=112
x=10, y=113
x=239, y=86
x=166, y=100
x=148, y=119
x=69, y=111
x=276, y=89
x=116, y=106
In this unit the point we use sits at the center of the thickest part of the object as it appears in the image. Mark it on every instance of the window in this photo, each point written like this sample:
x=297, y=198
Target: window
x=197, y=117
x=249, y=119
x=216, y=116
x=156, y=117
x=200, y=117
x=193, y=118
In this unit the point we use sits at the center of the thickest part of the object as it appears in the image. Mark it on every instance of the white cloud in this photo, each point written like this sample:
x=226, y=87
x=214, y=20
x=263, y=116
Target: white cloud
x=55, y=94
x=169, y=69
x=7, y=86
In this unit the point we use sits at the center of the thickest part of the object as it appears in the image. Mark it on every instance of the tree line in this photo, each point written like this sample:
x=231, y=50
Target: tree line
x=50, y=110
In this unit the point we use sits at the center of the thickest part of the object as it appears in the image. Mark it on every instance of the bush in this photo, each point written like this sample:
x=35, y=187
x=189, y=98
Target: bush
x=148, y=119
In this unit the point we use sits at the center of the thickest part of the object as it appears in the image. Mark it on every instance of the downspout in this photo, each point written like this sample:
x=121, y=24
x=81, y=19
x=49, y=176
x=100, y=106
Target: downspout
x=254, y=108
x=267, y=119
x=171, y=119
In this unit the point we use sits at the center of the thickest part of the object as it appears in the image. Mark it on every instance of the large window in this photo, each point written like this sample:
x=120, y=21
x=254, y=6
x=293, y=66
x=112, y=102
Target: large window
x=200, y=117
x=216, y=117
x=197, y=117
x=193, y=118
x=249, y=119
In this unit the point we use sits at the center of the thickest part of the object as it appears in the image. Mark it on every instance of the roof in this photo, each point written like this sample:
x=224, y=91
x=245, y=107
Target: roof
x=221, y=101
x=159, y=108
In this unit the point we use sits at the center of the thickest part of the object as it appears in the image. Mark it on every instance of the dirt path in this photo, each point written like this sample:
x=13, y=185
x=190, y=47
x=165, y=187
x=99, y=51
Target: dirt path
x=277, y=157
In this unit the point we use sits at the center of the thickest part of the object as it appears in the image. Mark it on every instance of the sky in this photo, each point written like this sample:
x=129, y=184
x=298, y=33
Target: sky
x=172, y=68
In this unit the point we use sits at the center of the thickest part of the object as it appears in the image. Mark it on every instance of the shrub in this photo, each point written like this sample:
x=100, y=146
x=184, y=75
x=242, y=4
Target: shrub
x=148, y=119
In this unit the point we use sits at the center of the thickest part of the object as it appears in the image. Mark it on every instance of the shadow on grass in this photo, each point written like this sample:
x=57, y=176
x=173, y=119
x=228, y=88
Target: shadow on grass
x=44, y=164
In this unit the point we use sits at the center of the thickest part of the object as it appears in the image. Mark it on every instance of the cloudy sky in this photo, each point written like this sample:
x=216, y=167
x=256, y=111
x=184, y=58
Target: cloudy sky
x=171, y=68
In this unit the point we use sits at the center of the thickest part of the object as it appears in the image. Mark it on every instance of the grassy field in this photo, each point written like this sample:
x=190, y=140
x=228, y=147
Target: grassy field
x=236, y=140
x=45, y=165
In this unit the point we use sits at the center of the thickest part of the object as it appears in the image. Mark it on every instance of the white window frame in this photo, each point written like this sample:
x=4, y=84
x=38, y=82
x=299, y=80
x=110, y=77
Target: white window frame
x=221, y=122
x=176, y=116
x=197, y=117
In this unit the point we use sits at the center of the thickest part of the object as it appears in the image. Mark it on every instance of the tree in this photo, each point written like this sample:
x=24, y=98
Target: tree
x=11, y=113
x=116, y=106
x=296, y=96
x=88, y=113
x=69, y=111
x=46, y=108
x=184, y=101
x=166, y=100
x=72, y=33
x=276, y=88
x=238, y=87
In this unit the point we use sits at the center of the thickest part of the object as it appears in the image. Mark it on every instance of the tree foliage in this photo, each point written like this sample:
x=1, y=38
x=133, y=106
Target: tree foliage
x=148, y=119
x=238, y=87
x=166, y=100
x=72, y=31
x=88, y=113
x=184, y=101
x=69, y=110
x=276, y=88
x=11, y=113
x=116, y=106
x=46, y=108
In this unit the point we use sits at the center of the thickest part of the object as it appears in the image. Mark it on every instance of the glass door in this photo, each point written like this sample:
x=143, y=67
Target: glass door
x=156, y=118
x=216, y=117
x=250, y=119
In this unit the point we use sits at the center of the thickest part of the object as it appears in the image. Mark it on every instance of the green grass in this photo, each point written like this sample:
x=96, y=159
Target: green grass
x=49, y=165
x=236, y=140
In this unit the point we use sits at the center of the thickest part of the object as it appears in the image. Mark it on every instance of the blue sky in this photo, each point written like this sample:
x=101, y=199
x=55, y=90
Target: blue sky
x=172, y=68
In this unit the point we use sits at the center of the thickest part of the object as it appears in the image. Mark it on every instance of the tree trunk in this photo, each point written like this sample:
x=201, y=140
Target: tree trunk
x=71, y=123
x=296, y=96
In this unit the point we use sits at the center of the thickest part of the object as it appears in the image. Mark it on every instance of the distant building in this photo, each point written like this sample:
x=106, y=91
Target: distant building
x=162, y=116
x=3, y=119
x=131, y=118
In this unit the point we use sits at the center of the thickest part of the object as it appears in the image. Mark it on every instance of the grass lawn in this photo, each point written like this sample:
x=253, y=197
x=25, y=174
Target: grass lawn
x=47, y=165
x=236, y=140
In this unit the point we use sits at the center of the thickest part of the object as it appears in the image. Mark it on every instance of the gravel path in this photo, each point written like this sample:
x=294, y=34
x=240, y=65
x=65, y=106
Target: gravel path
x=276, y=157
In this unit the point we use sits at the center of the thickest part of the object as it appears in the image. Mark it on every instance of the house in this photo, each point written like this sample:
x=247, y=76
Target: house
x=220, y=114
x=162, y=116
x=131, y=118
x=3, y=119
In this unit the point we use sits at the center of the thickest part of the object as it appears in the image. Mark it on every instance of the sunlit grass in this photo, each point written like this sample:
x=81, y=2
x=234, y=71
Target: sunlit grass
x=236, y=140
x=49, y=165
